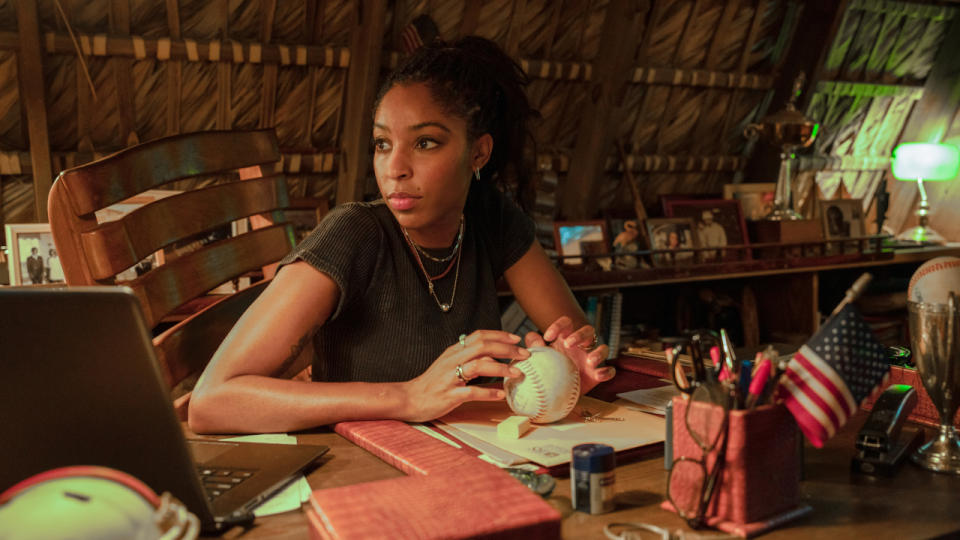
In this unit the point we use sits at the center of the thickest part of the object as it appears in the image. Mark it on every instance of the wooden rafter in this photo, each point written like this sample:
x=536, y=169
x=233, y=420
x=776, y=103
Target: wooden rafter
x=366, y=45
x=174, y=70
x=123, y=74
x=597, y=129
x=33, y=97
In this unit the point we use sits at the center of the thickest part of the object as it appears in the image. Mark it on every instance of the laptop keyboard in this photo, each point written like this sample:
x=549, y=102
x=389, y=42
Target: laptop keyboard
x=218, y=481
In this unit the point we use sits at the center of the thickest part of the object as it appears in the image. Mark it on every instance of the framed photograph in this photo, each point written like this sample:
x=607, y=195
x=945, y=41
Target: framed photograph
x=842, y=218
x=580, y=238
x=304, y=214
x=717, y=223
x=33, y=258
x=672, y=233
x=756, y=200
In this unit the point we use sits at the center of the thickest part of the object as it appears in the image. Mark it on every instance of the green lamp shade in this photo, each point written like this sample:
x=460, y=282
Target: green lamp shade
x=928, y=161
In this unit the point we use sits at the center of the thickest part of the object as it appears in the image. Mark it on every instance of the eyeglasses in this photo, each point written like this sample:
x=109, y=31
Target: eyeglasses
x=692, y=481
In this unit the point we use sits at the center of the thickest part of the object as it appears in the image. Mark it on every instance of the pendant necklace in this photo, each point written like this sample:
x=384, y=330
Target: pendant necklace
x=457, y=251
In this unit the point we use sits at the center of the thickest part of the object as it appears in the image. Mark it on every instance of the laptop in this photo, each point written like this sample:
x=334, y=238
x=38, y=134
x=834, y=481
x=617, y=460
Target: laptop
x=79, y=385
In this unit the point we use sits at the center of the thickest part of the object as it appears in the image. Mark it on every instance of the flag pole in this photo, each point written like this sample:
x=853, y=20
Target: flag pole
x=853, y=292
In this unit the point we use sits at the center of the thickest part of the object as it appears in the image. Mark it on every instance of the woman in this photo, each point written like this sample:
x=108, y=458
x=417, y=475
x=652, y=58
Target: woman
x=398, y=296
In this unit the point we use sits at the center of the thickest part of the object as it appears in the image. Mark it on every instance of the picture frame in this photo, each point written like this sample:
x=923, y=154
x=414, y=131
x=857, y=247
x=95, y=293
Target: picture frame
x=717, y=222
x=842, y=218
x=756, y=199
x=672, y=233
x=573, y=238
x=33, y=258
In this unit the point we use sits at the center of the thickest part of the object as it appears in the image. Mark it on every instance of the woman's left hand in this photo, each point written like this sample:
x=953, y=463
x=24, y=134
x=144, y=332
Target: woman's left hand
x=580, y=346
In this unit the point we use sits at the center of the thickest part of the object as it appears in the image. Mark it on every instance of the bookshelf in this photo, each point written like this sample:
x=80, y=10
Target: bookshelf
x=778, y=299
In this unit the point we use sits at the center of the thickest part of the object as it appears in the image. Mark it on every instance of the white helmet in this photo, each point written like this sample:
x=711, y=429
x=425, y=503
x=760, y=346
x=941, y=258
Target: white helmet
x=91, y=502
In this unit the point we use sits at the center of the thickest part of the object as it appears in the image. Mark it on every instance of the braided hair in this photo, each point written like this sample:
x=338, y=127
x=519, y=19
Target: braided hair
x=472, y=78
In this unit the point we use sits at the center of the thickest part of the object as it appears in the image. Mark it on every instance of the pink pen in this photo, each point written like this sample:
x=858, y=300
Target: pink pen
x=758, y=382
x=722, y=368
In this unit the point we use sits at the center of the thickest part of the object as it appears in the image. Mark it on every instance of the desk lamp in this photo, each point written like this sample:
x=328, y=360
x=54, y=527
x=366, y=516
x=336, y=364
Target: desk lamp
x=919, y=162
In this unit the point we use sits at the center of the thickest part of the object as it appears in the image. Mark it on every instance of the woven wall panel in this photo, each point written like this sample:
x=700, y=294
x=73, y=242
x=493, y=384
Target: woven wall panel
x=149, y=82
x=198, y=97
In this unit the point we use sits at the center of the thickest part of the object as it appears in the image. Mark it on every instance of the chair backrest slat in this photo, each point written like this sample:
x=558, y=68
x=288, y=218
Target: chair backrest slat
x=152, y=164
x=174, y=283
x=128, y=240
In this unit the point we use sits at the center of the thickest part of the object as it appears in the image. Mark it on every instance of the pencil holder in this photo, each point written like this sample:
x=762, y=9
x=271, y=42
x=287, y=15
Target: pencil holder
x=758, y=484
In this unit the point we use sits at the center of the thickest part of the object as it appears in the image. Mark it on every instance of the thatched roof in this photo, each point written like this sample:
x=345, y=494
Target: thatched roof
x=675, y=81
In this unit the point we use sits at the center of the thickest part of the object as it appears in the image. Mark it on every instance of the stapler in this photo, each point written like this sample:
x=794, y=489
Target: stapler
x=880, y=444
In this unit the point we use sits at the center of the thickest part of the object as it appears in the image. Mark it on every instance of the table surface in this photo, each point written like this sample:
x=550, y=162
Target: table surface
x=913, y=504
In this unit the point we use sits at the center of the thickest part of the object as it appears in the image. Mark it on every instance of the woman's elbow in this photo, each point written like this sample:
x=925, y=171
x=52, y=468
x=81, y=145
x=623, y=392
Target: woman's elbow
x=201, y=413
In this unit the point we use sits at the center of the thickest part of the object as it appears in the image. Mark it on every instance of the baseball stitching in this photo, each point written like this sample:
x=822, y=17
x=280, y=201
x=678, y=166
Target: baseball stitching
x=924, y=271
x=537, y=381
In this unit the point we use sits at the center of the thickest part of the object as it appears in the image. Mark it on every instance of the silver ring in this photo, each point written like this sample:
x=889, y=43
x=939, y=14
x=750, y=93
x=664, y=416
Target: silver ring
x=593, y=344
x=460, y=376
x=463, y=340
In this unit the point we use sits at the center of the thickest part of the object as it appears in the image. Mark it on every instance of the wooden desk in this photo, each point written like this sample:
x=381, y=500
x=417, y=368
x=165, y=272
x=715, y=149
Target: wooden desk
x=914, y=504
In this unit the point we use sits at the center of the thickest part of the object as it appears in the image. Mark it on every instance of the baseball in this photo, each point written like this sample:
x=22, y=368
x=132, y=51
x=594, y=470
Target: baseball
x=934, y=280
x=548, y=389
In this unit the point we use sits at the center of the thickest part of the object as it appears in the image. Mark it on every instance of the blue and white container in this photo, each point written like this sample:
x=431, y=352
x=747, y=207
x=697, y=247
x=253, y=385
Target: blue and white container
x=592, y=478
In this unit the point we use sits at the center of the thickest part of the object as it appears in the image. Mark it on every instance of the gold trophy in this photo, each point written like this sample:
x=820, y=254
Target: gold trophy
x=789, y=130
x=934, y=334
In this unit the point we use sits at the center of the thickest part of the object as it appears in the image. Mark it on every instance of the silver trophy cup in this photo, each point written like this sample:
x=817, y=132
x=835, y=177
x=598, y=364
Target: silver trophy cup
x=934, y=331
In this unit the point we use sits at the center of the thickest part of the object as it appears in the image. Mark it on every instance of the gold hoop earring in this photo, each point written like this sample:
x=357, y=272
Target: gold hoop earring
x=476, y=172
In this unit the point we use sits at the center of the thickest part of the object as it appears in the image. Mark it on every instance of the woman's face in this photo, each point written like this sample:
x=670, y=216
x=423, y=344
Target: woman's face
x=423, y=163
x=673, y=240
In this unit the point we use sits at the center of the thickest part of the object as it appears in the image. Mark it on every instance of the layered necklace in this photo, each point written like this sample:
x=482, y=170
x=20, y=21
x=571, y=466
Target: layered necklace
x=453, y=257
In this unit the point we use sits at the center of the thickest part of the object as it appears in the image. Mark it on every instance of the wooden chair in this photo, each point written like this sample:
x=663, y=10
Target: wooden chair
x=245, y=166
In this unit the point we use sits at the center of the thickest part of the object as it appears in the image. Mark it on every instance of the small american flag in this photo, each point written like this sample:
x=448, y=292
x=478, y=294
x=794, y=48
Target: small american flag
x=827, y=379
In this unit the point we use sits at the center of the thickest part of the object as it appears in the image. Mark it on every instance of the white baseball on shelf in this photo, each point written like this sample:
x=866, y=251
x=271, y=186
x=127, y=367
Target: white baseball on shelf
x=548, y=389
x=933, y=281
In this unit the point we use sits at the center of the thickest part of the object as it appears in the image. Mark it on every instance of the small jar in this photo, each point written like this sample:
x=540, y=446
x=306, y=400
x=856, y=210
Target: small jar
x=592, y=478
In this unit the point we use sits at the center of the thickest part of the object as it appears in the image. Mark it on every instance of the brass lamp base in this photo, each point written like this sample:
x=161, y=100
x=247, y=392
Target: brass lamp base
x=921, y=234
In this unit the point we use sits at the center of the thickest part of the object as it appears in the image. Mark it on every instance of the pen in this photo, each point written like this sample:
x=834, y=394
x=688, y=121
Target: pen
x=759, y=382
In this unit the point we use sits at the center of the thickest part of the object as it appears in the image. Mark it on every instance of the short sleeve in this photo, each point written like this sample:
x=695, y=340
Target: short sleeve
x=509, y=231
x=345, y=246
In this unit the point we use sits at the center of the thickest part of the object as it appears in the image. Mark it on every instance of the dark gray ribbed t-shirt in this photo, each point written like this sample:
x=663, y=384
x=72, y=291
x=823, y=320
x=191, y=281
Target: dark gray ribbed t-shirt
x=386, y=326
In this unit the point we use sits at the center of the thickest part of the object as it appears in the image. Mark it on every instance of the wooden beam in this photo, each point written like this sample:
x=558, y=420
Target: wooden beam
x=174, y=71
x=929, y=122
x=268, y=92
x=123, y=74
x=33, y=97
x=303, y=55
x=598, y=124
x=366, y=45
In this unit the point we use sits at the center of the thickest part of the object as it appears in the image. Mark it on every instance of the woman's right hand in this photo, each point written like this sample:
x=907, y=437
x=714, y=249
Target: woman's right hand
x=440, y=389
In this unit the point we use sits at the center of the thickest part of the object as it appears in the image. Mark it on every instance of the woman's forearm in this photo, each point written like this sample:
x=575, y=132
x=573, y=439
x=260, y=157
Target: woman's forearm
x=259, y=404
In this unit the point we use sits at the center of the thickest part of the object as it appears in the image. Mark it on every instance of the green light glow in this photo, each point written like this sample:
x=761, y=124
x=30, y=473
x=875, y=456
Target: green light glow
x=813, y=134
x=928, y=161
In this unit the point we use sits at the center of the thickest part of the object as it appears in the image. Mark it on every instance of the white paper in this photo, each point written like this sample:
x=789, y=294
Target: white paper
x=655, y=398
x=617, y=425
